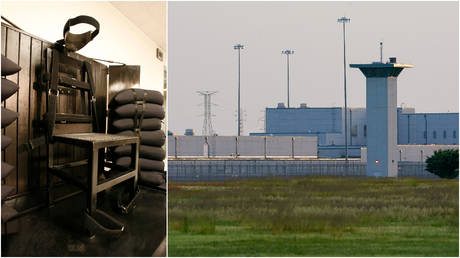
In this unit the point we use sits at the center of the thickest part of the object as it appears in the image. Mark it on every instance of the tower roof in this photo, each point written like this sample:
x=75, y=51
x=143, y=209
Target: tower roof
x=378, y=69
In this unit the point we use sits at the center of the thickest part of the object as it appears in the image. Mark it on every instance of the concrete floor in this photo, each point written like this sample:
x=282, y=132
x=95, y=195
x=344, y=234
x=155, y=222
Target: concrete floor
x=58, y=231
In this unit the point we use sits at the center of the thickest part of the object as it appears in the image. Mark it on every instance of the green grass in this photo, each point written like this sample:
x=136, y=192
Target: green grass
x=314, y=216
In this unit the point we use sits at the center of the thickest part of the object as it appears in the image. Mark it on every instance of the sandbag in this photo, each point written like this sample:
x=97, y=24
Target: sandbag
x=148, y=152
x=150, y=138
x=7, y=190
x=152, y=178
x=130, y=96
x=8, y=117
x=131, y=110
x=6, y=169
x=8, y=88
x=6, y=141
x=118, y=125
x=144, y=164
x=9, y=67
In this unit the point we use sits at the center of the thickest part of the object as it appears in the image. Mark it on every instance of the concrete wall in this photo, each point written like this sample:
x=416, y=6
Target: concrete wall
x=251, y=146
x=413, y=153
x=227, y=146
x=118, y=40
x=222, y=146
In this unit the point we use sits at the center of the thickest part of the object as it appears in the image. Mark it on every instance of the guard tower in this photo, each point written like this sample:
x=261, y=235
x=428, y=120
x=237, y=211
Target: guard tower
x=381, y=94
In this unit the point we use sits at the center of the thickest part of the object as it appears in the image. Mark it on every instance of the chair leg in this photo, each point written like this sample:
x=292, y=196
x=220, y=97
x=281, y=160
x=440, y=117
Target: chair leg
x=50, y=183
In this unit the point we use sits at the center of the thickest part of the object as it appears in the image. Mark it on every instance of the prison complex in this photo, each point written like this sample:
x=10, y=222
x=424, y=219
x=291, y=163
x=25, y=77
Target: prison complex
x=328, y=124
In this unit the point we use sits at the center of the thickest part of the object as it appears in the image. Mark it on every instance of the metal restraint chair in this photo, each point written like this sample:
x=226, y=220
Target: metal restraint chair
x=71, y=83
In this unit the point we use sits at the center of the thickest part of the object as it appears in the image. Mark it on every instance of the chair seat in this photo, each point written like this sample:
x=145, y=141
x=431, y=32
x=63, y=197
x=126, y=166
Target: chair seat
x=96, y=139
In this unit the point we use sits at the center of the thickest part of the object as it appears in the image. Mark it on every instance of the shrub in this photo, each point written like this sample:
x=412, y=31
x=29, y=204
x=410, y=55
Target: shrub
x=443, y=163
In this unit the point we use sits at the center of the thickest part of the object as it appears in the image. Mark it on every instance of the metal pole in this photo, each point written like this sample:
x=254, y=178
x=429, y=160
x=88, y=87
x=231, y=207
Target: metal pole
x=345, y=95
x=288, y=52
x=288, y=80
x=239, y=103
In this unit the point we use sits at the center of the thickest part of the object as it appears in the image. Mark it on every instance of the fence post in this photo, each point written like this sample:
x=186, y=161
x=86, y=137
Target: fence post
x=292, y=145
x=207, y=146
x=236, y=146
x=175, y=147
x=265, y=147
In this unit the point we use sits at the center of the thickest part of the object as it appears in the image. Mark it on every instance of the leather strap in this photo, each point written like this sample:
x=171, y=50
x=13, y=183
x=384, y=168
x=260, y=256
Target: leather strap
x=92, y=92
x=32, y=144
x=74, y=42
x=82, y=19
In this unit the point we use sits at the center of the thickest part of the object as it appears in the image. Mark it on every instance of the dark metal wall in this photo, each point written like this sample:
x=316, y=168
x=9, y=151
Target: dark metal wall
x=29, y=52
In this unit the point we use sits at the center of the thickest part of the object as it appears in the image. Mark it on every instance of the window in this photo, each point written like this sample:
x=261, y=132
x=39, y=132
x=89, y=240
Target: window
x=424, y=134
x=354, y=130
x=444, y=135
x=434, y=134
x=365, y=130
x=455, y=134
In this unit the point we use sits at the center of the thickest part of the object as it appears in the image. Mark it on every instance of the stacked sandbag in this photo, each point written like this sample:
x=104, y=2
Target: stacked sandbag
x=139, y=112
x=9, y=88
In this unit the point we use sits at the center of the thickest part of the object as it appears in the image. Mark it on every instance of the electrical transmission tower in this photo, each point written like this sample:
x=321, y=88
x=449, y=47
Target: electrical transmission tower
x=207, y=115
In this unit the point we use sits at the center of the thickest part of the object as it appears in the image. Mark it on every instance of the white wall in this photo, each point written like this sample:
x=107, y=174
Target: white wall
x=118, y=40
x=413, y=152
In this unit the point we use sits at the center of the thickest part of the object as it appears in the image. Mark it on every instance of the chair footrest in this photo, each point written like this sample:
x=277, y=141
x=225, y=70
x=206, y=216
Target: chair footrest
x=101, y=223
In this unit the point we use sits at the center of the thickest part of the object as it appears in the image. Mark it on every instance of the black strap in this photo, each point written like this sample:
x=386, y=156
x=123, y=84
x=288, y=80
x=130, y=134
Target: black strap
x=92, y=92
x=138, y=122
x=73, y=42
x=32, y=144
x=82, y=19
x=136, y=127
x=52, y=93
x=143, y=109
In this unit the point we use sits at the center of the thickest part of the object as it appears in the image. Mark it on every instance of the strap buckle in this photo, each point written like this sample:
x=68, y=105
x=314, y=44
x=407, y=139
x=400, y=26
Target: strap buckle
x=53, y=92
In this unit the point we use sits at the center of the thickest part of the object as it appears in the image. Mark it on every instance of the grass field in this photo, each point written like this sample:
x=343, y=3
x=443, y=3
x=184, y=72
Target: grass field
x=314, y=216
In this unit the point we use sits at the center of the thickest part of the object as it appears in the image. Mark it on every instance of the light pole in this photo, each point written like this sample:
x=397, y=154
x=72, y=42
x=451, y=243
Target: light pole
x=344, y=20
x=239, y=47
x=287, y=52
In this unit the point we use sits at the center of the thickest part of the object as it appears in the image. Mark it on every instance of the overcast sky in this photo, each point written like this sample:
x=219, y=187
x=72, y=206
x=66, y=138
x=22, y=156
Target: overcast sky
x=201, y=56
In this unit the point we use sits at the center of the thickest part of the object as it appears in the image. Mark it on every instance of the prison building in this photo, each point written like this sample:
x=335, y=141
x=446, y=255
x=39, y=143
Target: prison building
x=328, y=124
